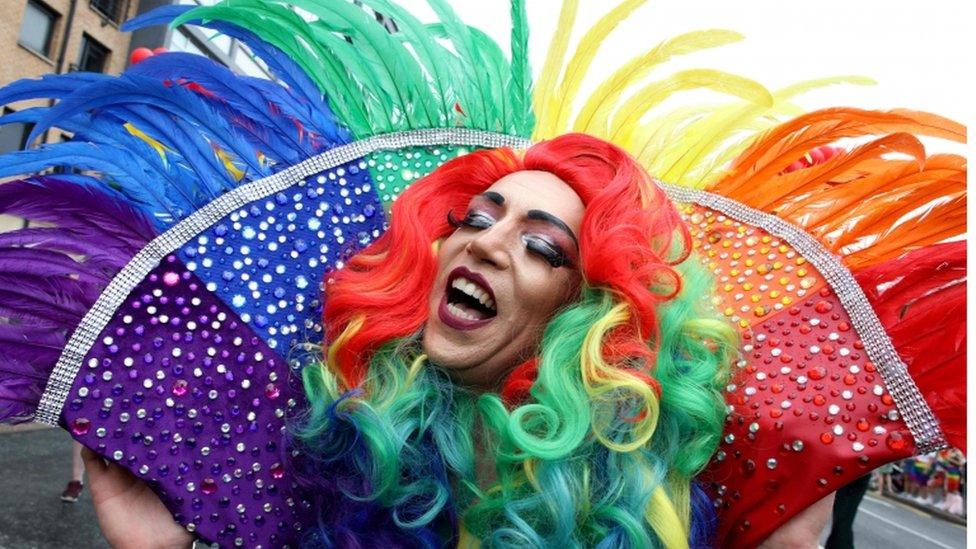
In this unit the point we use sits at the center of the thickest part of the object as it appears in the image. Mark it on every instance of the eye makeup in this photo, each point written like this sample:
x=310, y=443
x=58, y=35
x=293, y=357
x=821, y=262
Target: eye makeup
x=545, y=242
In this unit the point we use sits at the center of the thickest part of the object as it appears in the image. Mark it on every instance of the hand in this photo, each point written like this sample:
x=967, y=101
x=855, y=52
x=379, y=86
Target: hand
x=129, y=513
x=802, y=531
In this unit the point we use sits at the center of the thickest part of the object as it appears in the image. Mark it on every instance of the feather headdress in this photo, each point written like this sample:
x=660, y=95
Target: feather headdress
x=210, y=205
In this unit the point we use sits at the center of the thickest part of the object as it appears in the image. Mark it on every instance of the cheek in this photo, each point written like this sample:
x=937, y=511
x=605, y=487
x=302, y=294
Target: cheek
x=551, y=293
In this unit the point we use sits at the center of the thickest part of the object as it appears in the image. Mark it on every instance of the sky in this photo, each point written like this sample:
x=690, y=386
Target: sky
x=913, y=50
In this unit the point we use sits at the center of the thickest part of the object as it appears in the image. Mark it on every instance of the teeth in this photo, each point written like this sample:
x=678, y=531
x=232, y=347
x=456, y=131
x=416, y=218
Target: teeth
x=456, y=311
x=474, y=291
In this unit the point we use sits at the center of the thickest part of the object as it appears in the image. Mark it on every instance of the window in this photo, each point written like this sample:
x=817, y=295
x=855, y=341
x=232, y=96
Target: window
x=37, y=27
x=94, y=56
x=113, y=9
x=13, y=136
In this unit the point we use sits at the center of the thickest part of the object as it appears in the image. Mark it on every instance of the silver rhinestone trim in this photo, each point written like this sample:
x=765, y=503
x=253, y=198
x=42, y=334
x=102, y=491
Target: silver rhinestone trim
x=916, y=413
x=911, y=405
x=59, y=384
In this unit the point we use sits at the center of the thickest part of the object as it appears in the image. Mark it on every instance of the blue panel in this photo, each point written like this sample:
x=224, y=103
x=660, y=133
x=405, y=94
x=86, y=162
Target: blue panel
x=267, y=260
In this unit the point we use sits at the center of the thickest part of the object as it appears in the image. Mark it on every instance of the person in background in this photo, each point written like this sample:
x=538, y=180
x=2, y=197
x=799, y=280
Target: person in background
x=846, y=502
x=72, y=491
x=881, y=478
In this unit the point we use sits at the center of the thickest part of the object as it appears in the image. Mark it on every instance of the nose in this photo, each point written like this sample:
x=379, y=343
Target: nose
x=489, y=246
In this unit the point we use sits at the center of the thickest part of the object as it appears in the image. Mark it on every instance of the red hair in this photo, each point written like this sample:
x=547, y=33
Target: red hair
x=626, y=246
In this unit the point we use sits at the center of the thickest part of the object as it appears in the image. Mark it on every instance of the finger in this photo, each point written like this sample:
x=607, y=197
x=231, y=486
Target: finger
x=95, y=466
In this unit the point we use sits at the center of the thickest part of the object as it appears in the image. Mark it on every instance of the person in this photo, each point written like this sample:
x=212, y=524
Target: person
x=954, y=502
x=884, y=480
x=526, y=279
x=72, y=491
x=578, y=406
x=846, y=502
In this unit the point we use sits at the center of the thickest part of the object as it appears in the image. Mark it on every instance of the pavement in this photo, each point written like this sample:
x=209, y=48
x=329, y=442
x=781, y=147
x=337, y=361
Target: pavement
x=36, y=464
x=884, y=523
x=34, y=467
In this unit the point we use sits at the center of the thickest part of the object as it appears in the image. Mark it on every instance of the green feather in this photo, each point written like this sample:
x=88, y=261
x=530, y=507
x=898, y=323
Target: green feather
x=392, y=66
x=460, y=36
x=377, y=81
x=519, y=86
x=447, y=86
x=285, y=30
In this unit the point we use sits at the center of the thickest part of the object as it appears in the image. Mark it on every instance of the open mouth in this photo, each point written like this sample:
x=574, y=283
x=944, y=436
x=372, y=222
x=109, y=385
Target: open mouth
x=468, y=300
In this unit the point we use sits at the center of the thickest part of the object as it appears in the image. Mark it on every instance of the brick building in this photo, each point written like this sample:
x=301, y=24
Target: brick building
x=44, y=36
x=39, y=37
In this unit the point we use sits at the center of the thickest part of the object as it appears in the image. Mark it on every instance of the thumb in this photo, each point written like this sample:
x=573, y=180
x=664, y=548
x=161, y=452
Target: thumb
x=95, y=466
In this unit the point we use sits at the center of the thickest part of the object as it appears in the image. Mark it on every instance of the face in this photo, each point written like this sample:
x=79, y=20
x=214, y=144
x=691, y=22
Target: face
x=508, y=267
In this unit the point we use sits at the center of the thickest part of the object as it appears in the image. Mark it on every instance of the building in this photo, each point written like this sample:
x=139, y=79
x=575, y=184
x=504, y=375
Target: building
x=39, y=37
x=225, y=50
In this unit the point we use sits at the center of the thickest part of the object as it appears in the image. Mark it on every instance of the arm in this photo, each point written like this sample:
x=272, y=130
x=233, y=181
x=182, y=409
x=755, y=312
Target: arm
x=802, y=531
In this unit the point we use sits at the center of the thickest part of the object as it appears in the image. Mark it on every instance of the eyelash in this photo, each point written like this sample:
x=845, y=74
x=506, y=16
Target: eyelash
x=551, y=253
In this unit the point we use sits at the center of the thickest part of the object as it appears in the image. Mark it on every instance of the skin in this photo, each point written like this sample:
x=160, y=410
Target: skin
x=502, y=246
x=528, y=290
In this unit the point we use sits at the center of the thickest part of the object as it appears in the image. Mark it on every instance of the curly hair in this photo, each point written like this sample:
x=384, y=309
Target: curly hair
x=595, y=441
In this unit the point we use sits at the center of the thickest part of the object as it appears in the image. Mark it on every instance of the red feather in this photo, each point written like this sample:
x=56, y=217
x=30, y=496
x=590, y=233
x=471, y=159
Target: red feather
x=920, y=299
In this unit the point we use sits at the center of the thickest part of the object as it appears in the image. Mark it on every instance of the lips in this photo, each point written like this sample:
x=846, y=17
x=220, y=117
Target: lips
x=468, y=301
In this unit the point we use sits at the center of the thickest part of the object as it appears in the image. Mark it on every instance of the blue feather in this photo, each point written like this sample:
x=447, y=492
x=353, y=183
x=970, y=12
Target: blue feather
x=226, y=86
x=278, y=63
x=125, y=169
x=316, y=118
x=52, y=86
x=176, y=100
x=159, y=16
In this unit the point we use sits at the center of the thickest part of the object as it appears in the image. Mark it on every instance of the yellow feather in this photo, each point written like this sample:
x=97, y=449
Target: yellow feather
x=156, y=145
x=654, y=138
x=580, y=64
x=628, y=115
x=545, y=96
x=710, y=134
x=594, y=117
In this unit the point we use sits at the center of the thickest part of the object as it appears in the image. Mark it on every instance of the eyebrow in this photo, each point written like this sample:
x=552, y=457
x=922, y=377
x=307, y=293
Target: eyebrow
x=536, y=215
x=540, y=215
x=494, y=197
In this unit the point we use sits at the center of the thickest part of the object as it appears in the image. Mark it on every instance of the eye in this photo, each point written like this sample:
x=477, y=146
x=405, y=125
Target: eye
x=473, y=219
x=548, y=251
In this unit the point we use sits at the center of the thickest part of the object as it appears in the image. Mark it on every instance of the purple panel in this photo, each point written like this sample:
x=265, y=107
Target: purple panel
x=182, y=393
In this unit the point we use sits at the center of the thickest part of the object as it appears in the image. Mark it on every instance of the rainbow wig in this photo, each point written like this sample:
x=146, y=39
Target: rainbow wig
x=594, y=442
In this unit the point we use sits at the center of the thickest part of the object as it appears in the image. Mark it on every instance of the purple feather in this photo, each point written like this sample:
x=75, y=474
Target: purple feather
x=51, y=276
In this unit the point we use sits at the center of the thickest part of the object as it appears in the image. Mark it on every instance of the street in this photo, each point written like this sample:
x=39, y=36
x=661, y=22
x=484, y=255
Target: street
x=35, y=465
x=885, y=524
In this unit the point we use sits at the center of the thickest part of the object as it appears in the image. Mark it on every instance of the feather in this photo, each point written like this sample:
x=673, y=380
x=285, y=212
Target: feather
x=119, y=165
x=48, y=86
x=630, y=112
x=494, y=64
x=708, y=136
x=398, y=68
x=242, y=100
x=767, y=196
x=594, y=117
x=460, y=37
x=433, y=57
x=771, y=153
x=920, y=299
x=545, y=100
x=51, y=276
x=519, y=88
x=285, y=30
x=579, y=64
x=140, y=90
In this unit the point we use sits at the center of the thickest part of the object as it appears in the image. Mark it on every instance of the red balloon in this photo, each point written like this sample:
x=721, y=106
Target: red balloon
x=139, y=55
x=159, y=50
